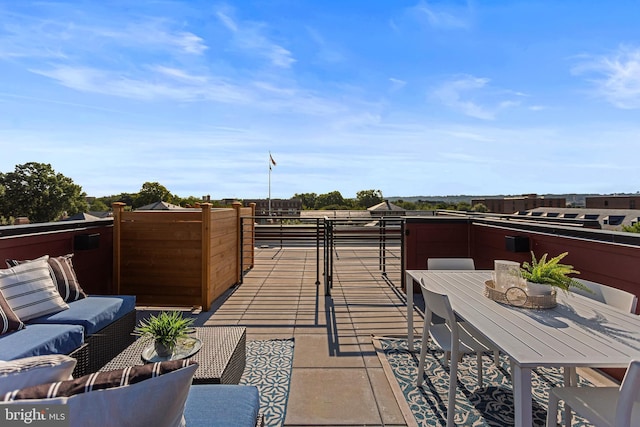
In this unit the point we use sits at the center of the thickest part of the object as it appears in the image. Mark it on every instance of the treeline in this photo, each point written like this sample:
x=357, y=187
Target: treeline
x=34, y=190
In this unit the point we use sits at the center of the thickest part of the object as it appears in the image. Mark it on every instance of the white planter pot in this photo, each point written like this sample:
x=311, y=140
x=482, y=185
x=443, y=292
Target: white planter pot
x=538, y=289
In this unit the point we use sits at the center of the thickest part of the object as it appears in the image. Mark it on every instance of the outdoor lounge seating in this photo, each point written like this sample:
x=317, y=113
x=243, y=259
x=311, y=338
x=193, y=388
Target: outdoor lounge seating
x=45, y=311
x=602, y=406
x=164, y=390
x=221, y=405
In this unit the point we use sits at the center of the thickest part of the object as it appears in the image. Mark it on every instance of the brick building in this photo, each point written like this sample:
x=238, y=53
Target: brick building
x=279, y=207
x=612, y=202
x=509, y=205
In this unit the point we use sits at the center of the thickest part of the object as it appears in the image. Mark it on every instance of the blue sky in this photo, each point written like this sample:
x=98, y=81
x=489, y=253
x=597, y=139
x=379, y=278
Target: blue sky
x=408, y=97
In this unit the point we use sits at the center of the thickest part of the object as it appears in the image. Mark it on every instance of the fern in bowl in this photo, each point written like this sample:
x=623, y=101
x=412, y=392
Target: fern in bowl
x=165, y=330
x=549, y=273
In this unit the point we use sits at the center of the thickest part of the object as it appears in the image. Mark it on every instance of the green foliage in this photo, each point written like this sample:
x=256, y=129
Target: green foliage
x=329, y=199
x=635, y=228
x=166, y=328
x=99, y=206
x=368, y=198
x=36, y=191
x=551, y=272
x=308, y=199
x=480, y=207
x=463, y=206
x=152, y=192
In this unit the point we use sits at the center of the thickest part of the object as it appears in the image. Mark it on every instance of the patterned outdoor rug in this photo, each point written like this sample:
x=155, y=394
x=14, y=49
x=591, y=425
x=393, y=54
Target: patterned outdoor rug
x=491, y=405
x=268, y=367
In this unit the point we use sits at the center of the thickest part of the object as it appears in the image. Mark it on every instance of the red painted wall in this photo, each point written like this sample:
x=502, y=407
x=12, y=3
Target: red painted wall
x=94, y=267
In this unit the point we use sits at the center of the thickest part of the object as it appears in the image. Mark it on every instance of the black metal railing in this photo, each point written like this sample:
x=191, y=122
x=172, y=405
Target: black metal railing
x=376, y=240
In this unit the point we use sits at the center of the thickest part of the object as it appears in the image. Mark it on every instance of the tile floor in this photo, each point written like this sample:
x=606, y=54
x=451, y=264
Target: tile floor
x=337, y=379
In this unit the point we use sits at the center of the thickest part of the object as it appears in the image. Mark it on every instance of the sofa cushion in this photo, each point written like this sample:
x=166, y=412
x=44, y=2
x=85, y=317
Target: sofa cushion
x=8, y=320
x=30, y=371
x=36, y=340
x=144, y=395
x=222, y=405
x=93, y=313
x=30, y=291
x=63, y=274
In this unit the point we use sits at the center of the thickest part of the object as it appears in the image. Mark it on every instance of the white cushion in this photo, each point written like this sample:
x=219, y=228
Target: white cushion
x=29, y=289
x=124, y=397
x=30, y=371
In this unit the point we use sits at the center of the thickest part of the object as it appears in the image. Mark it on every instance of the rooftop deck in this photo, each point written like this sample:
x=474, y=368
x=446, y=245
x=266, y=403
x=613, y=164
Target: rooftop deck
x=337, y=379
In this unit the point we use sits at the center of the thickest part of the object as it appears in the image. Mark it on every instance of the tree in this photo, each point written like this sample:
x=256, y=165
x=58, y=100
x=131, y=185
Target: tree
x=368, y=198
x=36, y=191
x=480, y=207
x=463, y=206
x=99, y=206
x=635, y=228
x=332, y=198
x=152, y=192
x=308, y=199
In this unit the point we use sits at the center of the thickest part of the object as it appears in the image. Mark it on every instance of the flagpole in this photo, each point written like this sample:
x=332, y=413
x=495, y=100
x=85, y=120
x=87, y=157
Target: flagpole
x=269, y=184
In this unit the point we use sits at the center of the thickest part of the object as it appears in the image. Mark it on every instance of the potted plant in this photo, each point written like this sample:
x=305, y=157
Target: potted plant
x=165, y=329
x=542, y=274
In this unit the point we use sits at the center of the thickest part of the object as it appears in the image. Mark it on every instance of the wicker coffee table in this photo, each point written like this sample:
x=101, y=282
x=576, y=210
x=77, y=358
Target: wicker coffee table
x=221, y=358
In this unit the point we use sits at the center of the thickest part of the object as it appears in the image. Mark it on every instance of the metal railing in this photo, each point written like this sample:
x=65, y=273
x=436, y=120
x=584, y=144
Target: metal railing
x=338, y=243
x=379, y=240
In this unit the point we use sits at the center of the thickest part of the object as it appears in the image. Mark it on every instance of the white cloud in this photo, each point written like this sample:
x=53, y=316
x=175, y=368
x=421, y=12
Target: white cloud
x=439, y=17
x=251, y=37
x=451, y=94
x=397, y=84
x=461, y=95
x=616, y=77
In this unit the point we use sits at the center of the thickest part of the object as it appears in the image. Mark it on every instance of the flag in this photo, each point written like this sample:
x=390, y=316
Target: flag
x=273, y=162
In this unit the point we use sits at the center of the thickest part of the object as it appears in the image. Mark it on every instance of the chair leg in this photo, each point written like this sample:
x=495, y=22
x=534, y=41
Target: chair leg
x=496, y=357
x=423, y=351
x=453, y=382
x=552, y=410
x=570, y=380
x=479, y=361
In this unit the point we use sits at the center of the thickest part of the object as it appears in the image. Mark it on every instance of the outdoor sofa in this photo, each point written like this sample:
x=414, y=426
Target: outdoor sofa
x=156, y=394
x=92, y=329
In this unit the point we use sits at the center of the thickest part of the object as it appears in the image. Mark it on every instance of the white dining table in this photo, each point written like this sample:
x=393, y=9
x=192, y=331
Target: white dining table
x=578, y=332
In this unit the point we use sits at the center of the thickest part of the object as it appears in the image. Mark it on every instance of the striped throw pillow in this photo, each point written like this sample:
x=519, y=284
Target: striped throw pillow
x=9, y=322
x=62, y=272
x=30, y=291
x=34, y=370
x=147, y=395
x=98, y=381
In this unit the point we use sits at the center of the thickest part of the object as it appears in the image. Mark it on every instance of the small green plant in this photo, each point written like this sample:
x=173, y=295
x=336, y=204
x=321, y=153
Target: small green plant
x=551, y=272
x=166, y=328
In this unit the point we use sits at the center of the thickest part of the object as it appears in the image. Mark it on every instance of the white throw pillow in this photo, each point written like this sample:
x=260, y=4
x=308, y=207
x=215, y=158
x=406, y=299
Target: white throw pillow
x=29, y=289
x=143, y=395
x=30, y=371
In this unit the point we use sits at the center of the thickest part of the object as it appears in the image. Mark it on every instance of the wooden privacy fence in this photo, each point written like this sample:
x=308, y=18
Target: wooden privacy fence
x=181, y=257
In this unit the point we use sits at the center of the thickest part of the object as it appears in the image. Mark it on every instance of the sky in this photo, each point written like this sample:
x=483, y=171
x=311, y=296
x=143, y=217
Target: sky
x=407, y=97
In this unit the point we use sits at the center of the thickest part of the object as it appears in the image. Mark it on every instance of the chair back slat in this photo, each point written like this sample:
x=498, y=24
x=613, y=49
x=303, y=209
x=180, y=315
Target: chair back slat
x=606, y=294
x=629, y=394
x=450, y=264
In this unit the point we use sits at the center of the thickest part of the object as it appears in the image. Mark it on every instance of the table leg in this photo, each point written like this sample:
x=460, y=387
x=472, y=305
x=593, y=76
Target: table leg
x=570, y=380
x=523, y=409
x=409, y=285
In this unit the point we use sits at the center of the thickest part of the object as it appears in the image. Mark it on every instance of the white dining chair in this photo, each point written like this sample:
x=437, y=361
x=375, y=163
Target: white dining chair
x=606, y=294
x=601, y=406
x=450, y=264
x=459, y=264
x=614, y=297
x=451, y=336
